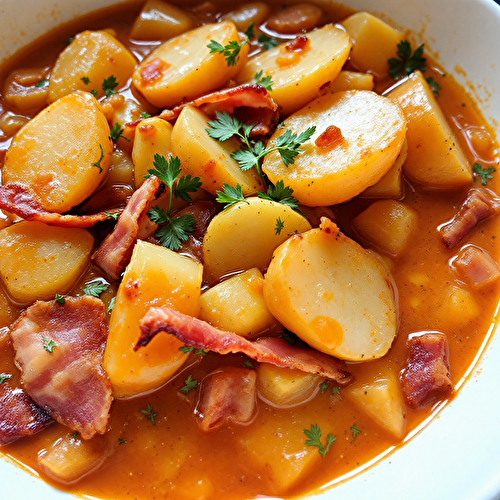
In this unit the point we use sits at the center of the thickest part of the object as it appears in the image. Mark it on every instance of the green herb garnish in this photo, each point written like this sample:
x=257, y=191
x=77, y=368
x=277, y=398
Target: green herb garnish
x=314, y=435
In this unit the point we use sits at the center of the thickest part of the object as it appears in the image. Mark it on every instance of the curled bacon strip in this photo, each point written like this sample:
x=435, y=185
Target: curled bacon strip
x=114, y=252
x=199, y=334
x=19, y=201
x=250, y=103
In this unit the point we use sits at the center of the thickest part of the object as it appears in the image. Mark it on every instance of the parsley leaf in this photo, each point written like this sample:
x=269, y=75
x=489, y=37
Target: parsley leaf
x=95, y=288
x=85, y=80
x=111, y=305
x=190, y=349
x=74, y=435
x=48, y=345
x=230, y=51
x=122, y=441
x=248, y=364
x=355, y=431
x=176, y=231
x=485, y=174
x=323, y=386
x=335, y=390
x=97, y=163
x=59, y=299
x=314, y=435
x=230, y=195
x=280, y=193
x=406, y=62
x=189, y=384
x=288, y=144
x=264, y=81
x=267, y=42
x=116, y=132
x=4, y=377
x=41, y=83
x=433, y=85
x=250, y=31
x=94, y=92
x=289, y=337
x=186, y=184
x=149, y=413
x=112, y=216
x=279, y=226
x=108, y=85
x=144, y=114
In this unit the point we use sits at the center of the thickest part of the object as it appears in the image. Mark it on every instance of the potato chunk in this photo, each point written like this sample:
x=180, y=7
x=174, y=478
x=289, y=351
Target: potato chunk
x=370, y=132
x=244, y=236
x=26, y=90
x=351, y=80
x=87, y=61
x=155, y=276
x=37, y=261
x=183, y=68
x=333, y=294
x=299, y=75
x=248, y=13
x=63, y=154
x=435, y=159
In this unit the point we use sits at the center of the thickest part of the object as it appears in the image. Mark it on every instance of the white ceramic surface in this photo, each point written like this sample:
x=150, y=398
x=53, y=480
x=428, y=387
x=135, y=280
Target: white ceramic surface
x=456, y=457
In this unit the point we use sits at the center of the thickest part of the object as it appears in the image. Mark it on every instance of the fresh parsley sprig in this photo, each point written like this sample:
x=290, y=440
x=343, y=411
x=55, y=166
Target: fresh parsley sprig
x=189, y=385
x=116, y=132
x=95, y=288
x=230, y=195
x=485, y=174
x=267, y=42
x=314, y=436
x=150, y=414
x=264, y=81
x=230, y=51
x=280, y=193
x=109, y=85
x=407, y=61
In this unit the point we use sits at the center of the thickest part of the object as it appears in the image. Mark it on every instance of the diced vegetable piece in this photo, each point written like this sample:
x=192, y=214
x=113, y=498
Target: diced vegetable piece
x=245, y=235
x=351, y=80
x=70, y=458
x=381, y=399
x=155, y=276
x=161, y=21
x=37, y=261
x=126, y=114
x=121, y=169
x=374, y=43
x=458, y=307
x=476, y=266
x=183, y=68
x=237, y=305
x=296, y=18
x=10, y=123
x=248, y=13
x=300, y=72
x=26, y=90
x=285, y=387
x=62, y=169
x=8, y=313
x=358, y=137
x=152, y=136
x=437, y=163
x=208, y=158
x=389, y=225
x=333, y=294
x=90, y=59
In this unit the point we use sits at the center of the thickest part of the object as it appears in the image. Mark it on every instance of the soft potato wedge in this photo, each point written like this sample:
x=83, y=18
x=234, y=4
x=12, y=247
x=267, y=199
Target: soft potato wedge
x=244, y=236
x=62, y=169
x=248, y=13
x=87, y=61
x=300, y=75
x=437, y=163
x=207, y=158
x=351, y=80
x=333, y=294
x=155, y=276
x=358, y=137
x=26, y=90
x=183, y=68
x=37, y=261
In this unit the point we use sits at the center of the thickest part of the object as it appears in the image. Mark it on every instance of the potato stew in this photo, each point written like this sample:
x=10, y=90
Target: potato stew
x=252, y=247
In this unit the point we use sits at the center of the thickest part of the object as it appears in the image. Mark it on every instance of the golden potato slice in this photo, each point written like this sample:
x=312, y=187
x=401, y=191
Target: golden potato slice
x=87, y=61
x=248, y=13
x=359, y=135
x=183, y=68
x=207, y=158
x=63, y=154
x=300, y=75
x=351, y=80
x=37, y=261
x=245, y=235
x=333, y=294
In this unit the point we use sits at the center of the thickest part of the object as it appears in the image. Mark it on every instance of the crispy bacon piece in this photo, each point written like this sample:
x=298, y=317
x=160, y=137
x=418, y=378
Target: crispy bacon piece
x=426, y=378
x=199, y=334
x=227, y=395
x=59, y=349
x=298, y=44
x=113, y=254
x=479, y=205
x=476, y=266
x=250, y=103
x=19, y=201
x=332, y=136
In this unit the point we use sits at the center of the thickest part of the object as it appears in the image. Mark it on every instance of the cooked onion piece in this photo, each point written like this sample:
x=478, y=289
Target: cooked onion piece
x=333, y=294
x=358, y=137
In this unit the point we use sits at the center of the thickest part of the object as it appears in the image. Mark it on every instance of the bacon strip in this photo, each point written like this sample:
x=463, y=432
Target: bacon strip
x=113, y=254
x=19, y=201
x=251, y=103
x=69, y=382
x=199, y=334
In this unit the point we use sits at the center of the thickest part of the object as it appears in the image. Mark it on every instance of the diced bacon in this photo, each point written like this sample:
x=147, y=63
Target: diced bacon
x=426, y=378
x=113, y=254
x=69, y=382
x=479, y=205
x=331, y=137
x=250, y=103
x=476, y=266
x=298, y=44
x=17, y=200
x=19, y=415
x=227, y=395
x=201, y=335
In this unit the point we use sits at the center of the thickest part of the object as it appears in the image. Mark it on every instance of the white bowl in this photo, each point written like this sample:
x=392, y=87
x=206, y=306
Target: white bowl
x=457, y=456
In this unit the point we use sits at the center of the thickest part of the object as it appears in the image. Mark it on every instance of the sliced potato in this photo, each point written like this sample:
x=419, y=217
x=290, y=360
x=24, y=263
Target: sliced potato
x=207, y=158
x=61, y=168
x=333, y=294
x=334, y=168
x=183, y=68
x=301, y=75
x=37, y=261
x=245, y=235
x=248, y=13
x=351, y=80
x=437, y=163
x=155, y=276
x=87, y=61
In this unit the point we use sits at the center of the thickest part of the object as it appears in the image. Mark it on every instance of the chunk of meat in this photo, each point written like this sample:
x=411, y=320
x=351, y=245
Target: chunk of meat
x=114, y=253
x=476, y=266
x=227, y=395
x=19, y=415
x=426, y=378
x=115, y=196
x=479, y=205
x=59, y=349
x=194, y=332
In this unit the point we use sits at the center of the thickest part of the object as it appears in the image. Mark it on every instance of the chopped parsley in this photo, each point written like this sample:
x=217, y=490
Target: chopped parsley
x=250, y=31
x=323, y=386
x=267, y=42
x=95, y=288
x=314, y=436
x=189, y=384
x=230, y=195
x=289, y=337
x=109, y=85
x=74, y=435
x=4, y=377
x=112, y=216
x=111, y=305
x=97, y=164
x=94, y=92
x=48, y=345
x=41, y=83
x=335, y=390
x=117, y=132
x=149, y=413
x=433, y=85
x=407, y=61
x=279, y=226
x=190, y=349
x=354, y=431
x=264, y=81
x=485, y=174
x=122, y=441
x=280, y=193
x=144, y=114
x=230, y=51
x=248, y=364
x=60, y=299
x=85, y=80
